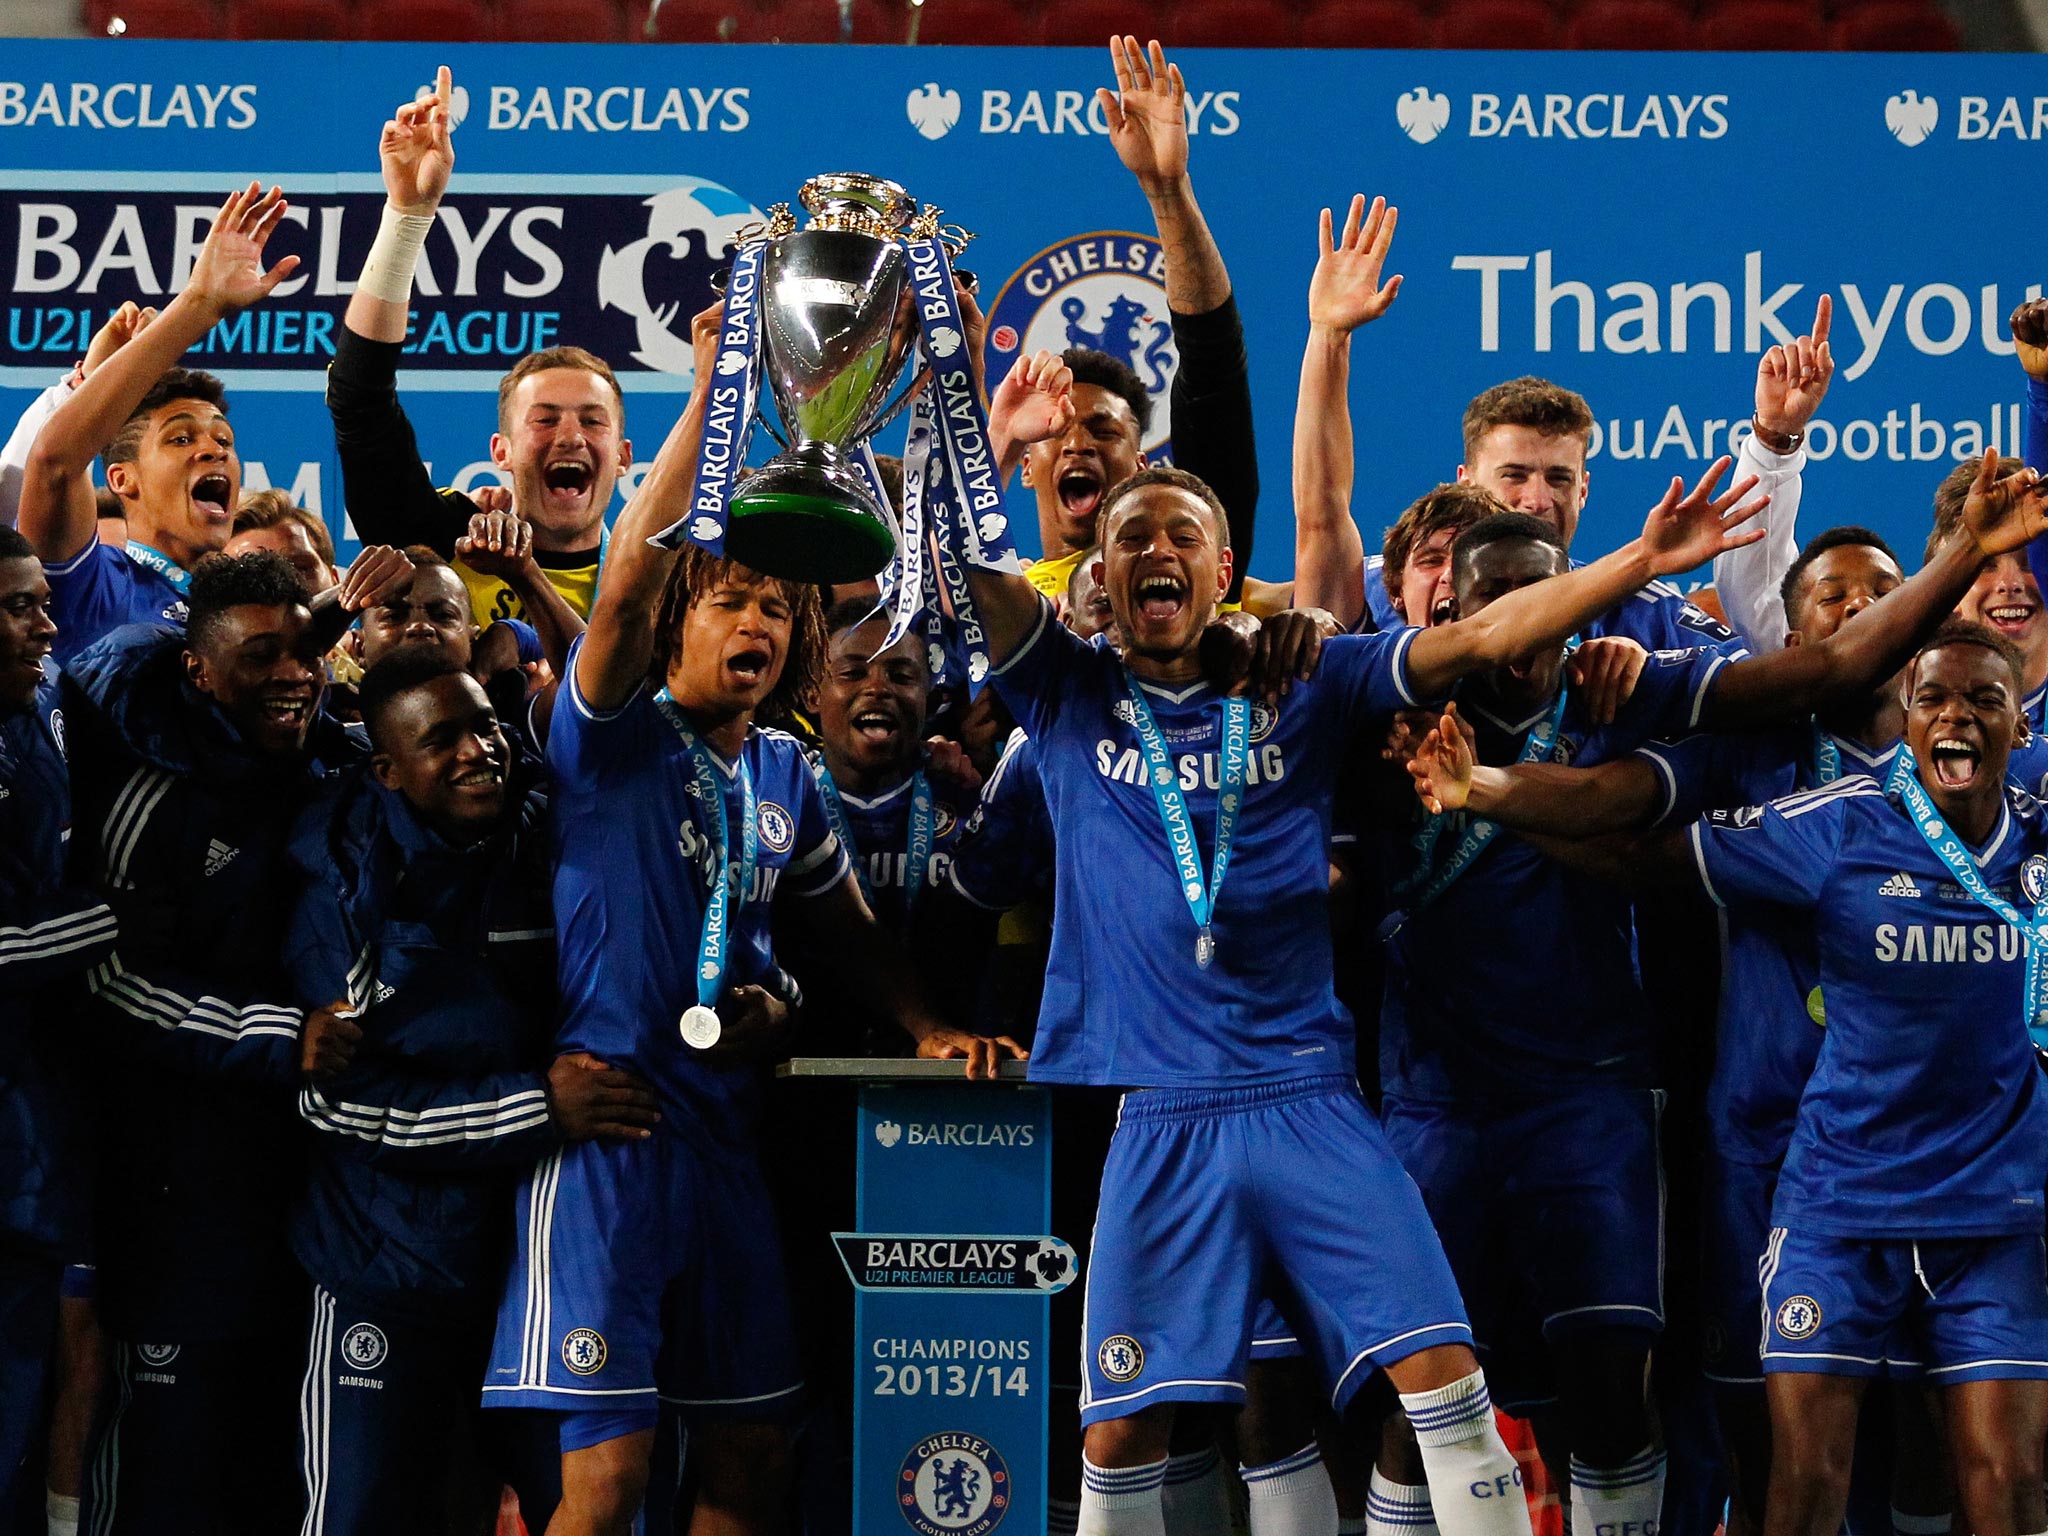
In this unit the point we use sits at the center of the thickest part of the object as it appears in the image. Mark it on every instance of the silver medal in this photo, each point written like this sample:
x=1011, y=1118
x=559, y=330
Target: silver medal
x=1205, y=949
x=701, y=1028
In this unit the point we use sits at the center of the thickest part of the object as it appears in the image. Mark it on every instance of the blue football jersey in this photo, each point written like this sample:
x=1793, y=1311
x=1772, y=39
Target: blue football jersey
x=879, y=827
x=634, y=857
x=1519, y=979
x=102, y=588
x=1658, y=618
x=1768, y=1028
x=1005, y=853
x=1125, y=1002
x=1924, y=1114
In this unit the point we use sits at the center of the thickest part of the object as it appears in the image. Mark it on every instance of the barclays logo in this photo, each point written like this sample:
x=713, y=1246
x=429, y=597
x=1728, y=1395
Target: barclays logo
x=1911, y=117
x=932, y=111
x=458, y=103
x=1423, y=116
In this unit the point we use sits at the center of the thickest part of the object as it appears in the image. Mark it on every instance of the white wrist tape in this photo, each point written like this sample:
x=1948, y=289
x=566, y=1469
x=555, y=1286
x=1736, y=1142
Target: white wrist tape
x=387, y=270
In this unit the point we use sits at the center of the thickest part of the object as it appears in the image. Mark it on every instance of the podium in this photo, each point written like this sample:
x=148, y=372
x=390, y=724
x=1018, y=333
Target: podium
x=953, y=1263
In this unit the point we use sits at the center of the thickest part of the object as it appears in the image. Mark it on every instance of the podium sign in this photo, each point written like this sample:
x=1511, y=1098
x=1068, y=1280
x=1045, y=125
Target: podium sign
x=954, y=1265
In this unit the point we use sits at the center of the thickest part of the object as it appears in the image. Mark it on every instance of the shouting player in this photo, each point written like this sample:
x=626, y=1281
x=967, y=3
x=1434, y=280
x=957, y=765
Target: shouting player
x=1225, y=1178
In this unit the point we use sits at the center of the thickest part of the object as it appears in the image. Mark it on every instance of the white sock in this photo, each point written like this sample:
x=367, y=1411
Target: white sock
x=1627, y=1500
x=1291, y=1496
x=1194, y=1500
x=1061, y=1517
x=62, y=1513
x=1121, y=1501
x=1397, y=1509
x=1475, y=1486
x=1904, y=1524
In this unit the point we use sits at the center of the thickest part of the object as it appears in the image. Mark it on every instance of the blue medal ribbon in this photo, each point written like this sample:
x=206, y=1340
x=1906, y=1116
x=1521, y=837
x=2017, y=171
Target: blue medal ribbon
x=1903, y=783
x=1538, y=748
x=725, y=895
x=163, y=565
x=1179, y=822
x=1827, y=758
x=735, y=386
x=918, y=849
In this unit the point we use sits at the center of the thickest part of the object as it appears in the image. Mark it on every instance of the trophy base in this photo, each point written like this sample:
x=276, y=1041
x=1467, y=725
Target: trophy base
x=808, y=522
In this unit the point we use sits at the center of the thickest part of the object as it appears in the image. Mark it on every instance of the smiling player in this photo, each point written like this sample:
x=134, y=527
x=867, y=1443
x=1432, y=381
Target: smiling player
x=561, y=437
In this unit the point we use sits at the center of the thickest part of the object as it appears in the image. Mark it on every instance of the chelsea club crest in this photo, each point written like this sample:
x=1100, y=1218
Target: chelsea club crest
x=953, y=1485
x=2034, y=879
x=1105, y=290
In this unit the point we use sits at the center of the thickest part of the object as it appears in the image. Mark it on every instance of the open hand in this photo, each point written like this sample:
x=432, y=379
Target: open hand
x=1346, y=291
x=1286, y=649
x=415, y=151
x=587, y=1099
x=1034, y=402
x=228, y=273
x=1147, y=114
x=1689, y=528
x=1791, y=381
x=1442, y=766
x=378, y=574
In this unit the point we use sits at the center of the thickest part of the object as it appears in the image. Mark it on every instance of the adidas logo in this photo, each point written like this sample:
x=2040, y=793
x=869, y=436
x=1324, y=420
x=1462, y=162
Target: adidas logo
x=383, y=993
x=1900, y=884
x=219, y=855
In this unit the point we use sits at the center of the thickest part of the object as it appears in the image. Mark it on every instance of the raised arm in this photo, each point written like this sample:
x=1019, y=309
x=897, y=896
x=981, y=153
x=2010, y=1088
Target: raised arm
x=618, y=645
x=1211, y=393
x=2029, y=325
x=501, y=545
x=1999, y=516
x=121, y=327
x=1344, y=294
x=1032, y=403
x=1147, y=114
x=1791, y=382
x=57, y=513
x=1684, y=530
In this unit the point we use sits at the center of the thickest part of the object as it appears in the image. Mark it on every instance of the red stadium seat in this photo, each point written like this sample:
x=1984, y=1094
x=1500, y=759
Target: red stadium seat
x=1902, y=27
x=1763, y=26
x=1231, y=24
x=298, y=21
x=422, y=21
x=1366, y=24
x=990, y=23
x=164, y=18
x=1090, y=23
x=1499, y=24
x=1624, y=24
x=559, y=21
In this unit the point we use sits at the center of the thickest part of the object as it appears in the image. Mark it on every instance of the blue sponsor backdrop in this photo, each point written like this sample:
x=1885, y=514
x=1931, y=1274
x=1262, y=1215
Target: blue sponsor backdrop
x=1637, y=226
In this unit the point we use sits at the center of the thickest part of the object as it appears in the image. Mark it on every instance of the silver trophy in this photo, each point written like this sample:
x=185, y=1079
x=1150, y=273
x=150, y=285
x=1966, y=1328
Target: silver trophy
x=837, y=329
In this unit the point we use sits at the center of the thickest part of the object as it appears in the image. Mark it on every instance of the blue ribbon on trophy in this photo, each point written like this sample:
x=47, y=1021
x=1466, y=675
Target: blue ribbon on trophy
x=735, y=386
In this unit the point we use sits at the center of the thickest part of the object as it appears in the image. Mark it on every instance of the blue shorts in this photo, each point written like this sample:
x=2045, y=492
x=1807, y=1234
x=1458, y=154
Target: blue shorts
x=646, y=1270
x=1944, y=1309
x=1552, y=1215
x=1233, y=1195
x=1273, y=1337
x=1735, y=1228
